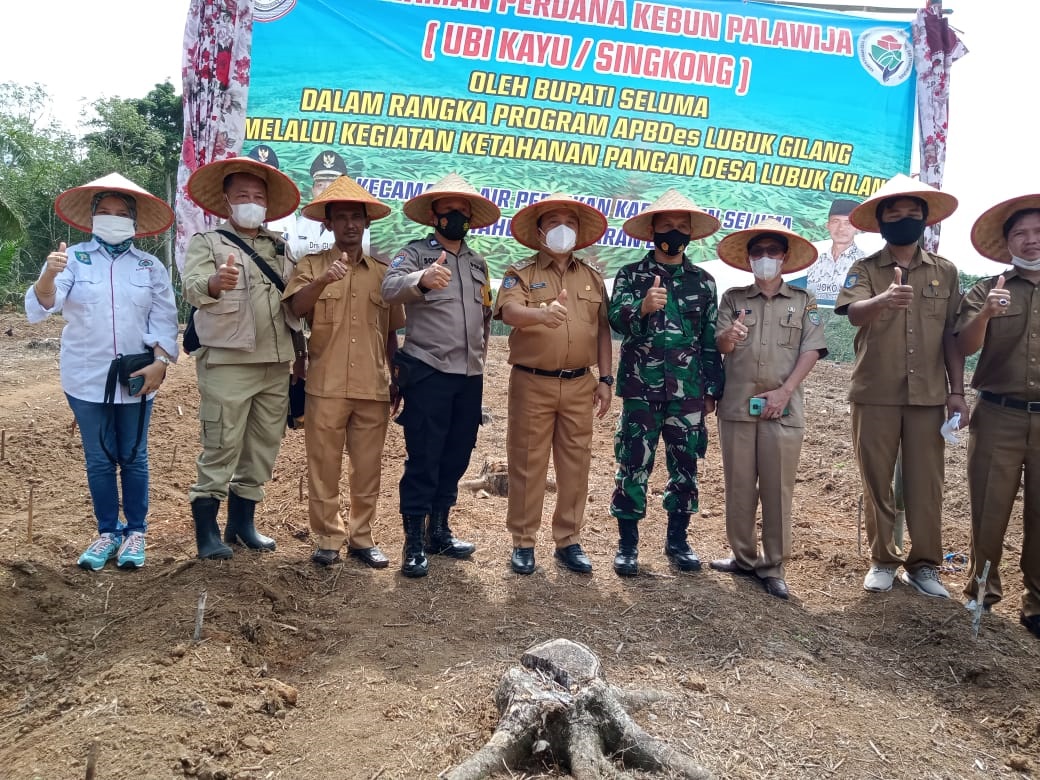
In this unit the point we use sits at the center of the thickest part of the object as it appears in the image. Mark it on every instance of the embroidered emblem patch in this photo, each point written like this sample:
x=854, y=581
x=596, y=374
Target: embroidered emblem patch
x=814, y=317
x=510, y=282
x=144, y=262
x=397, y=261
x=84, y=257
x=850, y=281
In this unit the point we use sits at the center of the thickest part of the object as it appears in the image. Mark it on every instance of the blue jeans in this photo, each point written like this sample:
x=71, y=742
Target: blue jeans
x=118, y=426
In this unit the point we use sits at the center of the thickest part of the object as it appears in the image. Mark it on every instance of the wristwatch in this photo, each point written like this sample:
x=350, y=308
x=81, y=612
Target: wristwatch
x=607, y=380
x=162, y=359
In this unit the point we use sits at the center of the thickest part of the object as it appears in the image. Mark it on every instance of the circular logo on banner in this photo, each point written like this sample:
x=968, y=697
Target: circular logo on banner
x=269, y=10
x=886, y=54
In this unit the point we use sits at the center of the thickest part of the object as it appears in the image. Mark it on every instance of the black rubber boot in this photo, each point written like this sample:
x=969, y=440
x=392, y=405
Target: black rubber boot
x=626, y=562
x=207, y=532
x=440, y=541
x=676, y=547
x=413, y=559
x=240, y=528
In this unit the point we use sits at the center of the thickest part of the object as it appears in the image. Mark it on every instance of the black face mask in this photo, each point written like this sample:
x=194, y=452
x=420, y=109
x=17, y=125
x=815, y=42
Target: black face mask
x=672, y=243
x=903, y=232
x=453, y=225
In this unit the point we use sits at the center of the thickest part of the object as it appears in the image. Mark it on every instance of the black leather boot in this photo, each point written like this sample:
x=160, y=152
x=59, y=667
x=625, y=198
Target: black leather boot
x=440, y=541
x=676, y=547
x=240, y=528
x=626, y=562
x=413, y=559
x=207, y=532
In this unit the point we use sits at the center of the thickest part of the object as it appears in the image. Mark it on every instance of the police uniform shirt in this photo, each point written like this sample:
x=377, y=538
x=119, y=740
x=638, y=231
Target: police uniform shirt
x=349, y=325
x=899, y=354
x=536, y=283
x=780, y=329
x=1010, y=360
x=446, y=328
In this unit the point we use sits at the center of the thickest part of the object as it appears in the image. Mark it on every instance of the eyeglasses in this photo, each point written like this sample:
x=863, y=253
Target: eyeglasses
x=773, y=250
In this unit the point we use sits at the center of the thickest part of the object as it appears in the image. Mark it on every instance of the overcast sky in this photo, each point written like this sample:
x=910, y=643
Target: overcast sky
x=122, y=48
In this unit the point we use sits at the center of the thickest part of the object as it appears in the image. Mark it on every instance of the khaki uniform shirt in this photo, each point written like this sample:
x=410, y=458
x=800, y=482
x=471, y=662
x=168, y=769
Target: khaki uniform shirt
x=899, y=355
x=1010, y=360
x=446, y=329
x=349, y=326
x=251, y=316
x=780, y=329
x=535, y=283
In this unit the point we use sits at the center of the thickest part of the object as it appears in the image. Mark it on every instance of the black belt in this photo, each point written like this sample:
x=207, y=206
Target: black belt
x=1033, y=407
x=567, y=373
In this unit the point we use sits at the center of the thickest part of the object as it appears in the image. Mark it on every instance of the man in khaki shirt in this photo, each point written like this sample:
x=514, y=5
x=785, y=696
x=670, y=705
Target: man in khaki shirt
x=908, y=375
x=556, y=305
x=353, y=339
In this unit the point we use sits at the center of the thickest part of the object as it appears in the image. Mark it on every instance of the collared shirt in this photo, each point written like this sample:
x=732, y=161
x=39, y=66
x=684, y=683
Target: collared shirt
x=825, y=277
x=307, y=236
x=670, y=354
x=111, y=307
x=254, y=294
x=536, y=283
x=447, y=329
x=1010, y=360
x=780, y=329
x=899, y=354
x=349, y=326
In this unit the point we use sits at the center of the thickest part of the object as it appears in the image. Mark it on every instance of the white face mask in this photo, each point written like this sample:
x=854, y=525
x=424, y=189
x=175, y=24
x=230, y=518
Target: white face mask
x=561, y=239
x=248, y=215
x=766, y=268
x=112, y=229
x=1027, y=265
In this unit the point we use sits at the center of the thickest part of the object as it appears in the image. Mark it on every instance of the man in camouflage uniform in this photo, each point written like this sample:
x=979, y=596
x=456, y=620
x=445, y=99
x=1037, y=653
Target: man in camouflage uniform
x=669, y=375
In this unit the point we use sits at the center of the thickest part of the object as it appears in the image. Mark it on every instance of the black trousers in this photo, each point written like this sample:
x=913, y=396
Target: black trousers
x=440, y=418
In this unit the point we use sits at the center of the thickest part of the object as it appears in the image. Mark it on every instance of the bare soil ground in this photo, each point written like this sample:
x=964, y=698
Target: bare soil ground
x=392, y=678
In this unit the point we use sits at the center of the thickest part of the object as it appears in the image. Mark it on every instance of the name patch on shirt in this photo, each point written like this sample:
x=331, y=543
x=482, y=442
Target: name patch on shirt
x=84, y=257
x=850, y=281
x=537, y=285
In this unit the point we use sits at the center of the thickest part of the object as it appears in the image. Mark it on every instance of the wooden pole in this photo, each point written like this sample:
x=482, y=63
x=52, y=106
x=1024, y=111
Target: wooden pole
x=30, y=518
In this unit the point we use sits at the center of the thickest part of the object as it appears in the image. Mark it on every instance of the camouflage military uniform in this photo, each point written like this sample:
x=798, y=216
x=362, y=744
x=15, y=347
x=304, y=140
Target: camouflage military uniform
x=669, y=364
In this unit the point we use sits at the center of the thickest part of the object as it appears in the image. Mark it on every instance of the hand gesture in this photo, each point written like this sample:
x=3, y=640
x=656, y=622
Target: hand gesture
x=601, y=399
x=555, y=314
x=227, y=275
x=899, y=295
x=656, y=298
x=337, y=270
x=438, y=275
x=56, y=262
x=999, y=299
x=738, y=331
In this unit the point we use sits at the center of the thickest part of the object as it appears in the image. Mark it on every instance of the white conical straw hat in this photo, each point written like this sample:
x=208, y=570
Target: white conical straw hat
x=642, y=226
x=940, y=204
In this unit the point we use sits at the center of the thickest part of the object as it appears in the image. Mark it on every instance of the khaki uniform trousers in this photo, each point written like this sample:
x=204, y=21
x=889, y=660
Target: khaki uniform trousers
x=759, y=461
x=544, y=413
x=1002, y=442
x=242, y=411
x=360, y=426
x=877, y=432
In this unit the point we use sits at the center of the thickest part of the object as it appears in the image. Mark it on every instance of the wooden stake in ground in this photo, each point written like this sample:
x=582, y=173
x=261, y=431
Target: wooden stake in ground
x=560, y=707
x=200, y=613
x=28, y=524
x=92, y=754
x=173, y=458
x=3, y=445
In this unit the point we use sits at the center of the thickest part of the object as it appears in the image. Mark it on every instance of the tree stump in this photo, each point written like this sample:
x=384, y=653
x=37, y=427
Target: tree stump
x=559, y=707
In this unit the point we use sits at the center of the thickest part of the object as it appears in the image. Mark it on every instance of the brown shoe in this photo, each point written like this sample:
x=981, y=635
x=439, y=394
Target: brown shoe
x=775, y=586
x=370, y=556
x=730, y=566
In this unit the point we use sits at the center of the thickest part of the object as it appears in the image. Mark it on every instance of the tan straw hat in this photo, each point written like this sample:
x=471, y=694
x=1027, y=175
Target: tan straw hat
x=592, y=224
x=206, y=186
x=940, y=204
x=73, y=206
x=733, y=249
x=482, y=211
x=641, y=226
x=345, y=190
x=987, y=234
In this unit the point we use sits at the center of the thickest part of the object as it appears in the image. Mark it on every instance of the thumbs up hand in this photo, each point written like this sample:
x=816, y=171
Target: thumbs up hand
x=656, y=298
x=227, y=275
x=556, y=312
x=438, y=275
x=899, y=295
x=999, y=298
x=337, y=270
x=738, y=331
x=56, y=262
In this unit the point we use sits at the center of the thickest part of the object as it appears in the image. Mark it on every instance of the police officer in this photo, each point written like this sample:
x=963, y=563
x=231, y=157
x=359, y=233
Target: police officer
x=556, y=304
x=771, y=337
x=353, y=339
x=908, y=375
x=248, y=343
x=669, y=374
x=445, y=290
x=999, y=315
x=312, y=236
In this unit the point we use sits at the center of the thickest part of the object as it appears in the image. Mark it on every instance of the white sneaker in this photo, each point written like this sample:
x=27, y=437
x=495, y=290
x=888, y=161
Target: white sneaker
x=925, y=580
x=879, y=578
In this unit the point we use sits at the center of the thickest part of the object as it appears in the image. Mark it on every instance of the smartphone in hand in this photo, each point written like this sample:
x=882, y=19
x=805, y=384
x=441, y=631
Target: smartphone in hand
x=135, y=385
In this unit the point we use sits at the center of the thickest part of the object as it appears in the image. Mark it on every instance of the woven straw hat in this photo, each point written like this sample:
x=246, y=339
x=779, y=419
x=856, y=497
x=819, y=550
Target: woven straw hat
x=483, y=211
x=800, y=252
x=642, y=226
x=592, y=224
x=73, y=206
x=987, y=234
x=345, y=190
x=206, y=186
x=940, y=204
